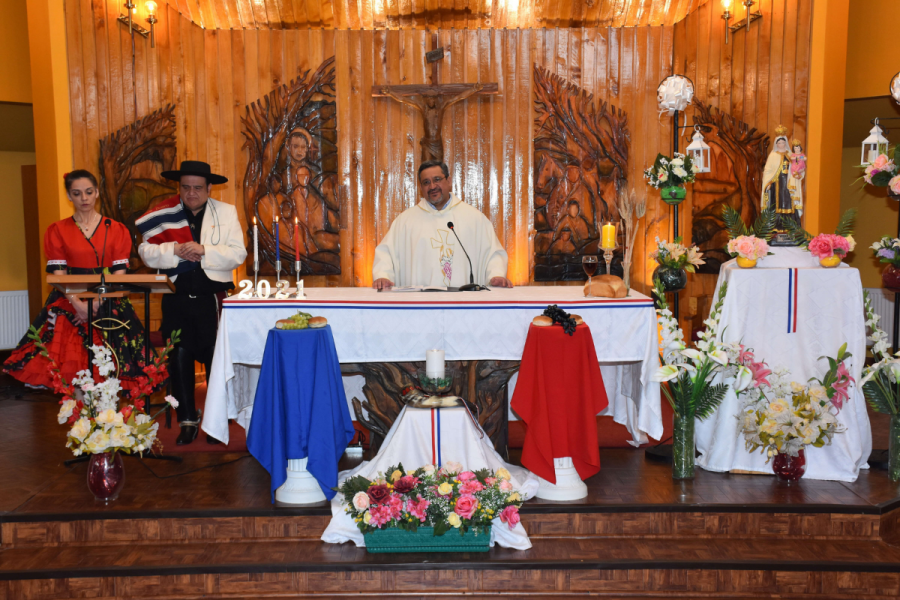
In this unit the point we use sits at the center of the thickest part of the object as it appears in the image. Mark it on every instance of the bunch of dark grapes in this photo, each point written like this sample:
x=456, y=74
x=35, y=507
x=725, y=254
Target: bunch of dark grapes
x=562, y=317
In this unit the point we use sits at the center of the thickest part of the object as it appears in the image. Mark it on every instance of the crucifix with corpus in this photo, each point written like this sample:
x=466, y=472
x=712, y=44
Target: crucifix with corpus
x=433, y=100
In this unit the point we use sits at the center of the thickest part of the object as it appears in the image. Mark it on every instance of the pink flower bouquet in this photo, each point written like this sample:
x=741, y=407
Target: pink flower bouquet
x=443, y=498
x=748, y=246
x=826, y=245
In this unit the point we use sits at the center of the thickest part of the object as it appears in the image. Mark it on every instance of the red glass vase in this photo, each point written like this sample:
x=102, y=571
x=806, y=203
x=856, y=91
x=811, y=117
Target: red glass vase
x=106, y=476
x=789, y=468
x=890, y=277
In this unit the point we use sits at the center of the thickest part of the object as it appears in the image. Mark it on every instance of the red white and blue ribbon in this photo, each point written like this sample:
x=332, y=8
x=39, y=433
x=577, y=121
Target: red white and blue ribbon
x=436, y=437
x=792, y=300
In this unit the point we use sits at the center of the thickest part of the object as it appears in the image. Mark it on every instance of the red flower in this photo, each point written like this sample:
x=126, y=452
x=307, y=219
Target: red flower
x=126, y=411
x=378, y=493
x=405, y=484
x=139, y=405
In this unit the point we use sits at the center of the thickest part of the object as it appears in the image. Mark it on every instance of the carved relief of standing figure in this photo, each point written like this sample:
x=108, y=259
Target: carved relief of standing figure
x=776, y=192
x=432, y=108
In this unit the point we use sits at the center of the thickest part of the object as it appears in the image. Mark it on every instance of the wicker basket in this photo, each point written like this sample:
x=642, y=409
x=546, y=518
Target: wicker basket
x=424, y=540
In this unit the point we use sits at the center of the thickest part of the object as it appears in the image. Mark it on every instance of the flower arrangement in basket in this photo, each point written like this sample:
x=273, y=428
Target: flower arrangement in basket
x=669, y=176
x=829, y=248
x=783, y=417
x=688, y=376
x=881, y=385
x=431, y=501
x=674, y=259
x=748, y=244
x=884, y=171
x=99, y=426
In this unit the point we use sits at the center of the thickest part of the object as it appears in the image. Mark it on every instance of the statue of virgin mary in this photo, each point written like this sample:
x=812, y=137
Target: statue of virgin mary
x=776, y=190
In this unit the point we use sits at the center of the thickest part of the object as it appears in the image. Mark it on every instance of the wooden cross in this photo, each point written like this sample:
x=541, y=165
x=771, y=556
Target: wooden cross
x=432, y=100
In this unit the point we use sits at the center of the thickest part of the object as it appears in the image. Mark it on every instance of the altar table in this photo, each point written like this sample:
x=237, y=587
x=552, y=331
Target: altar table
x=372, y=326
x=790, y=317
x=300, y=407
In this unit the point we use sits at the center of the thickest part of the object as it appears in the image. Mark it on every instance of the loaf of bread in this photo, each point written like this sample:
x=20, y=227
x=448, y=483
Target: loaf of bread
x=280, y=323
x=542, y=321
x=605, y=286
x=578, y=319
x=317, y=322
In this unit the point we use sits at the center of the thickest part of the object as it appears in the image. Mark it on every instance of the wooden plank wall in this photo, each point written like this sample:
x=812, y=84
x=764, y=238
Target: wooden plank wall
x=761, y=78
x=211, y=75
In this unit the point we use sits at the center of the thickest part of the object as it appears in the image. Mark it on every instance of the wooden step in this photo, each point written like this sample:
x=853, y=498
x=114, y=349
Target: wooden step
x=792, y=568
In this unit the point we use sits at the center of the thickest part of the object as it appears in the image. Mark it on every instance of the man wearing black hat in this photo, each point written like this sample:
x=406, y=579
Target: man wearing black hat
x=198, y=242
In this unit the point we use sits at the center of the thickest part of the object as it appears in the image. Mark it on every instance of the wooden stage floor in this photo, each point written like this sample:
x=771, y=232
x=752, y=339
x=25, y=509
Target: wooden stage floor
x=206, y=528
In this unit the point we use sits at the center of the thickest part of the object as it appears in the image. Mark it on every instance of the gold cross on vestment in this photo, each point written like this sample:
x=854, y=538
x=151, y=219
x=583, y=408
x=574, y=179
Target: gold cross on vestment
x=443, y=243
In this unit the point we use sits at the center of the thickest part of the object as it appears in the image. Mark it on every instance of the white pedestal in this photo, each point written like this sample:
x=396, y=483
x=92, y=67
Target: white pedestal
x=301, y=487
x=569, y=485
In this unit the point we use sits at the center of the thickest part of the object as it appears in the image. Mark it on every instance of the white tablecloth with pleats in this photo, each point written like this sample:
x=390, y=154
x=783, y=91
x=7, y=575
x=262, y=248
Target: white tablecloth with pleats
x=369, y=326
x=790, y=312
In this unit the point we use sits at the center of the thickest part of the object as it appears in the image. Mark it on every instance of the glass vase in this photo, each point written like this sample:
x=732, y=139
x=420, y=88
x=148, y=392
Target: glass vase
x=683, y=447
x=106, y=475
x=894, y=449
x=672, y=279
x=789, y=468
x=890, y=278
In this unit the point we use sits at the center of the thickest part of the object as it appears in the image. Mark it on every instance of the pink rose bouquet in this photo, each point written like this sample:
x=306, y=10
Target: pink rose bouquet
x=441, y=498
x=826, y=245
x=748, y=246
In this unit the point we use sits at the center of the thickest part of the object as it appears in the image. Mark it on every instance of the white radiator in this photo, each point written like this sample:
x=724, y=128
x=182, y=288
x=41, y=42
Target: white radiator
x=883, y=303
x=13, y=318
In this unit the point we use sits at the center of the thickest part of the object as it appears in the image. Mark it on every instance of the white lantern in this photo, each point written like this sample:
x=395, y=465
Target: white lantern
x=674, y=93
x=895, y=88
x=873, y=145
x=698, y=150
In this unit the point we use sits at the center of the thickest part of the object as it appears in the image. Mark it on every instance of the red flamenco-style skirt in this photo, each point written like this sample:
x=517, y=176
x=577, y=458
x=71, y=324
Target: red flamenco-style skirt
x=66, y=344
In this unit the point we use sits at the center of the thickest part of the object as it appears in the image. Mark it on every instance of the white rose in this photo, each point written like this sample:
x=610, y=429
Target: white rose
x=361, y=501
x=679, y=171
x=677, y=162
x=81, y=429
x=429, y=469
x=68, y=407
x=452, y=467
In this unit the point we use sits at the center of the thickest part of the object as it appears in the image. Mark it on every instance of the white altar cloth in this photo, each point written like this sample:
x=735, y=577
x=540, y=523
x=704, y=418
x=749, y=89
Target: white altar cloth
x=410, y=442
x=369, y=326
x=790, y=317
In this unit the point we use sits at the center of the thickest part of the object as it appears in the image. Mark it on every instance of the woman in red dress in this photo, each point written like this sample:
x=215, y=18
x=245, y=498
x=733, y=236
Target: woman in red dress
x=80, y=245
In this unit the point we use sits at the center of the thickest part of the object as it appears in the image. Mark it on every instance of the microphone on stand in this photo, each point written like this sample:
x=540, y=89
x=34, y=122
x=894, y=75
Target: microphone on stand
x=471, y=286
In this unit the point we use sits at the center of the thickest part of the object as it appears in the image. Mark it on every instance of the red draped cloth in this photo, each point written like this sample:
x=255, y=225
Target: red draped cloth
x=558, y=395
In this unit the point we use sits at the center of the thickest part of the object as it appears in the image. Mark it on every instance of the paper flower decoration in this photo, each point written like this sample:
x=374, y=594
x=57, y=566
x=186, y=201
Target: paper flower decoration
x=674, y=93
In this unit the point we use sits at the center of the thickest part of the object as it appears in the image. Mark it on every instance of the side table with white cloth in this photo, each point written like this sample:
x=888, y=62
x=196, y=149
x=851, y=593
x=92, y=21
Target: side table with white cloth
x=790, y=312
x=369, y=326
x=434, y=436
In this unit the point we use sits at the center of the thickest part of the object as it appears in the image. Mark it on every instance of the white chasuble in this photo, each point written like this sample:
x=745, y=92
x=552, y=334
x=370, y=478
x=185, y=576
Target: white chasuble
x=420, y=249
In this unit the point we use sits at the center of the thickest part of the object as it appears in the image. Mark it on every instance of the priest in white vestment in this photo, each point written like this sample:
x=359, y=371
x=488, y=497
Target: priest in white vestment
x=421, y=250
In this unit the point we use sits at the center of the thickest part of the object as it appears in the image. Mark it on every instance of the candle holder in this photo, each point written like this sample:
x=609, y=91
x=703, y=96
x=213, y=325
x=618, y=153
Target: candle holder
x=299, y=294
x=608, y=256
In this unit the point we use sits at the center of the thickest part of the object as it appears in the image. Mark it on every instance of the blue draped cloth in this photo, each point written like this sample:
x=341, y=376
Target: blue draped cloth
x=300, y=408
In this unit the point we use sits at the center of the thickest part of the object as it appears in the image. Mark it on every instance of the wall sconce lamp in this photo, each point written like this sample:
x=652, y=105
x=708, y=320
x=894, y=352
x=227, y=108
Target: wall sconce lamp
x=127, y=19
x=751, y=16
x=726, y=16
x=151, y=18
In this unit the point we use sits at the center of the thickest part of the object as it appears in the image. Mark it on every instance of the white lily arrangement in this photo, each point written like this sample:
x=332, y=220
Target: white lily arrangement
x=880, y=380
x=689, y=372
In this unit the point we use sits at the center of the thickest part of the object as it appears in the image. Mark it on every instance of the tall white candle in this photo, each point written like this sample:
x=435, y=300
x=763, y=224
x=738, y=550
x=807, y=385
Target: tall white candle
x=255, y=243
x=434, y=364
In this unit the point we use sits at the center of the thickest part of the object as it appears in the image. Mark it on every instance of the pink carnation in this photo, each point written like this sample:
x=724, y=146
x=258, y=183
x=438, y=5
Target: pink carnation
x=466, y=505
x=381, y=515
x=510, y=516
x=417, y=508
x=395, y=504
x=470, y=487
x=466, y=476
x=490, y=481
x=506, y=486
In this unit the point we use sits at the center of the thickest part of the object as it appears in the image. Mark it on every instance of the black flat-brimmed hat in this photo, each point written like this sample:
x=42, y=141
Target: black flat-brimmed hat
x=194, y=167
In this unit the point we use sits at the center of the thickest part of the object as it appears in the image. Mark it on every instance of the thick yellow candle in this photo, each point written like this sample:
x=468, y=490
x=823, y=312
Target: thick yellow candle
x=608, y=238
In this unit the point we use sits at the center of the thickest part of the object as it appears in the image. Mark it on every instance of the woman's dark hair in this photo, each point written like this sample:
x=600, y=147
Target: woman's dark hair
x=70, y=178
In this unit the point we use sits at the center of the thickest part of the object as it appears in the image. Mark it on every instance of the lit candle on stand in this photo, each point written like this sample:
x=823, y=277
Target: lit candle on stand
x=608, y=241
x=255, y=245
x=296, y=240
x=434, y=364
x=277, y=244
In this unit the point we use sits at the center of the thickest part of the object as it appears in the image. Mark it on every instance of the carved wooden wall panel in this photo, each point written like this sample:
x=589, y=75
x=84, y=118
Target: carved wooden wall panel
x=738, y=156
x=291, y=137
x=580, y=161
x=131, y=160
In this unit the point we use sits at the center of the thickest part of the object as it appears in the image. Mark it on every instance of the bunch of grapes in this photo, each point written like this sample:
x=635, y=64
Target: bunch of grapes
x=298, y=321
x=562, y=317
